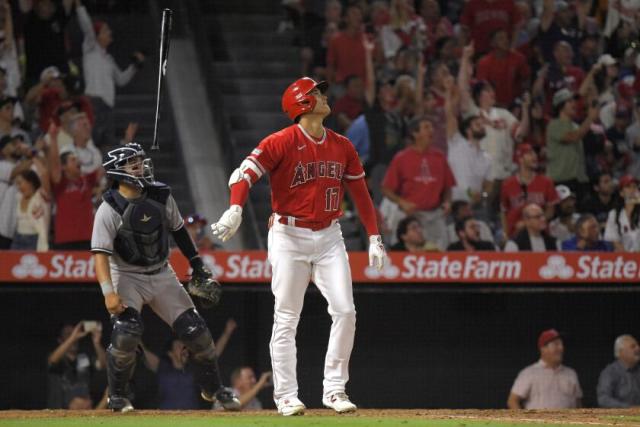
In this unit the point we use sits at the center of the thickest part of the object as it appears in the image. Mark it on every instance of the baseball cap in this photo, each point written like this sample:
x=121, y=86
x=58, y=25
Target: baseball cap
x=607, y=59
x=52, y=70
x=564, y=192
x=521, y=150
x=66, y=106
x=547, y=336
x=562, y=95
x=561, y=5
x=626, y=180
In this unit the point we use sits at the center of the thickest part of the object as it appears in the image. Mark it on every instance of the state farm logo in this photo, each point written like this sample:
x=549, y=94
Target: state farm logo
x=215, y=268
x=29, y=267
x=389, y=271
x=556, y=267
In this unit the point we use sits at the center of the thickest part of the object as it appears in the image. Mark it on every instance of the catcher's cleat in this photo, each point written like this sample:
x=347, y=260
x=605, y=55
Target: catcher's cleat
x=120, y=404
x=339, y=402
x=225, y=396
x=290, y=406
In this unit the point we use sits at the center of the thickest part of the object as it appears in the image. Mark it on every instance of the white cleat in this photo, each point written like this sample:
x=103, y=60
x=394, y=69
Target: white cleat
x=339, y=402
x=291, y=406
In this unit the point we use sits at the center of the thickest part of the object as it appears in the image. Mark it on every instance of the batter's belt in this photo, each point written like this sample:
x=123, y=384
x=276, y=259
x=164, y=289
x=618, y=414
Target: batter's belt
x=295, y=222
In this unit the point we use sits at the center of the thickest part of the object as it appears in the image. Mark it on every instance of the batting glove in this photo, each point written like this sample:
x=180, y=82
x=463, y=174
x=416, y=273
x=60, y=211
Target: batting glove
x=228, y=223
x=377, y=254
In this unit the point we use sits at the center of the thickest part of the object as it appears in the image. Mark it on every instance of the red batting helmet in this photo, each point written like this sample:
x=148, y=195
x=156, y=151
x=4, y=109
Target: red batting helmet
x=296, y=99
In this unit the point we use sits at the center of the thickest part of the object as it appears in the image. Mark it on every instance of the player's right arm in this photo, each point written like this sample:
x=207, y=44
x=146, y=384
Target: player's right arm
x=261, y=160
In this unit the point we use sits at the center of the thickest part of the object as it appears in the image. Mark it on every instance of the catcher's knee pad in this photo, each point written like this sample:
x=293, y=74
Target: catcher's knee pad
x=126, y=335
x=192, y=330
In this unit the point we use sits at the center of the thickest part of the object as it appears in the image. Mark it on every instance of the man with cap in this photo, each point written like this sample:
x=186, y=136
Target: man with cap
x=524, y=187
x=619, y=383
x=565, y=151
x=623, y=223
x=547, y=384
x=563, y=226
x=587, y=237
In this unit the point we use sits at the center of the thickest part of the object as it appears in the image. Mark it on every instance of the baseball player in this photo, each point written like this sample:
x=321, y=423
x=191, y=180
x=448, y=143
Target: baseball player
x=308, y=166
x=131, y=246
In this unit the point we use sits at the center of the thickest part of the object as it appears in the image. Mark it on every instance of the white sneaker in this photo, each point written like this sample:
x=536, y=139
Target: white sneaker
x=289, y=406
x=339, y=402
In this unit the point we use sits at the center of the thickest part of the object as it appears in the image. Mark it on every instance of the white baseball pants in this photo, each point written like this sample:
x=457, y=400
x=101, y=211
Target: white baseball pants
x=298, y=255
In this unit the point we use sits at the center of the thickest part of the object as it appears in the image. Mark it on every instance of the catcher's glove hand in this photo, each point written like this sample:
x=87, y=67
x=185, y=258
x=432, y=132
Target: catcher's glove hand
x=203, y=286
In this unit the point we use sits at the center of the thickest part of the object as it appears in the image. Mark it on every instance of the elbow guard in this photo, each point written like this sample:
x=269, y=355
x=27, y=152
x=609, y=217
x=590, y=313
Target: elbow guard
x=248, y=171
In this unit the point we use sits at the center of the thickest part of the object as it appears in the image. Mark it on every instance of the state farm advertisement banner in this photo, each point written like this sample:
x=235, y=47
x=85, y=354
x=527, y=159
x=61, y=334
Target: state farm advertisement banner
x=252, y=267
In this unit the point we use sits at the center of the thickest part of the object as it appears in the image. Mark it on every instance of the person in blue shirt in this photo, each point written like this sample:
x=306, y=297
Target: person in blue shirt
x=587, y=237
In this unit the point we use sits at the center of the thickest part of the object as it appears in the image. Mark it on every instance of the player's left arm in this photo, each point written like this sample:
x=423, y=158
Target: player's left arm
x=354, y=181
x=181, y=235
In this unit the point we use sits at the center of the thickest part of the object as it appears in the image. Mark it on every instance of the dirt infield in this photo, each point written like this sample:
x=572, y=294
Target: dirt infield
x=596, y=417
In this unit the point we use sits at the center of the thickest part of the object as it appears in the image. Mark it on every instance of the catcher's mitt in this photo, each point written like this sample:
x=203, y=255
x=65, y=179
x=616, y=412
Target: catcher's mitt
x=203, y=286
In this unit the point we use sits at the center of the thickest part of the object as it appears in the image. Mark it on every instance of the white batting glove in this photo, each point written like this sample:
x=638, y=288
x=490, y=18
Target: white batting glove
x=377, y=254
x=228, y=223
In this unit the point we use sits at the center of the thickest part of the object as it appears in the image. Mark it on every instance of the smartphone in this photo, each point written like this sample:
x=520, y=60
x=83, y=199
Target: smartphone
x=90, y=325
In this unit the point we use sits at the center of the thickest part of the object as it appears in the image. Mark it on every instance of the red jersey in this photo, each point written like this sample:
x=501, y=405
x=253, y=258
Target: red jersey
x=306, y=174
x=420, y=177
x=346, y=53
x=483, y=17
x=513, y=197
x=74, y=214
x=507, y=75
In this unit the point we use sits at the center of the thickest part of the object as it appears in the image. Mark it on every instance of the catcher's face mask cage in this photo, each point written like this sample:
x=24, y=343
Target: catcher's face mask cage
x=129, y=164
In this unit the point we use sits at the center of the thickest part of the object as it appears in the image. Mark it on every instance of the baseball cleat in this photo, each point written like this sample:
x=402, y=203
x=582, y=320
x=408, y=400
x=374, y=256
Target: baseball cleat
x=119, y=404
x=339, y=402
x=291, y=406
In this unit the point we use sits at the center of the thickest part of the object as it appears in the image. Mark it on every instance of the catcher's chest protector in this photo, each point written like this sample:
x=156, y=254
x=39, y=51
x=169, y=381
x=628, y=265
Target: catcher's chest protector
x=143, y=237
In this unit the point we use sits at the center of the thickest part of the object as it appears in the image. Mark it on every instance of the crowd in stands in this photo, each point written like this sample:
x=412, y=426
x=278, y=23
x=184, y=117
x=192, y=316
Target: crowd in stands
x=522, y=114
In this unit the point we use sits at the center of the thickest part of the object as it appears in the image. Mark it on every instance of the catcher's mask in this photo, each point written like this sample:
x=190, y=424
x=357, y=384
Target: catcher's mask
x=129, y=164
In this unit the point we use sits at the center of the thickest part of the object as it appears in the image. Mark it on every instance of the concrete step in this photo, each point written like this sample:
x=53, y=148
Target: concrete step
x=269, y=122
x=243, y=53
x=253, y=69
x=257, y=39
x=244, y=22
x=255, y=85
x=240, y=6
x=252, y=102
x=247, y=138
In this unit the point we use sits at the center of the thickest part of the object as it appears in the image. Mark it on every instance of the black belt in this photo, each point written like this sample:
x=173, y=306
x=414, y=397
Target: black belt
x=156, y=271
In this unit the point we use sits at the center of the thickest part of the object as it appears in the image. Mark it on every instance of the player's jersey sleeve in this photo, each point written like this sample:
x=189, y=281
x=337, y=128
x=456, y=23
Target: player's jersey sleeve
x=173, y=214
x=269, y=153
x=353, y=168
x=105, y=229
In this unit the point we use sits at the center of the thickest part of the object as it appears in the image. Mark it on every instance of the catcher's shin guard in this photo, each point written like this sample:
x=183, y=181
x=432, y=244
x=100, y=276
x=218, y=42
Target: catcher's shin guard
x=121, y=354
x=192, y=330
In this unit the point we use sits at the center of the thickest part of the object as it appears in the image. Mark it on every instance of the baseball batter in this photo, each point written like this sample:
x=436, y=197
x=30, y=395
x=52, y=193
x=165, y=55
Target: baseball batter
x=308, y=166
x=131, y=246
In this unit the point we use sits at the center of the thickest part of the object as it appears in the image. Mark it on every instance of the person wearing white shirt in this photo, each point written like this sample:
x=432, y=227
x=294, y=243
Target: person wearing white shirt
x=88, y=154
x=533, y=237
x=32, y=213
x=101, y=73
x=623, y=224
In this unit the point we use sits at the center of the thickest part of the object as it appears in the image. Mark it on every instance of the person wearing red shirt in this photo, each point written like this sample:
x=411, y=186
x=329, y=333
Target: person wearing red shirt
x=346, y=53
x=73, y=194
x=419, y=180
x=309, y=168
x=505, y=68
x=524, y=187
x=483, y=17
x=349, y=106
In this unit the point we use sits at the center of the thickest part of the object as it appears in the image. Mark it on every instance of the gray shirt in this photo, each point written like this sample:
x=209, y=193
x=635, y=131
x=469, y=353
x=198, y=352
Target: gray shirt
x=105, y=228
x=619, y=386
x=543, y=387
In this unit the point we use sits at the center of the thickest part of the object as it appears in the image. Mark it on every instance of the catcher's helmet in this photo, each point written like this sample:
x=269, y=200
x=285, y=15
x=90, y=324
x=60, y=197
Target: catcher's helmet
x=296, y=99
x=121, y=165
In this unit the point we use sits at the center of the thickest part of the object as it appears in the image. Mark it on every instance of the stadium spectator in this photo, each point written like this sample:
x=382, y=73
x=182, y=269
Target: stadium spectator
x=547, y=384
x=72, y=192
x=8, y=53
x=177, y=388
x=623, y=223
x=419, y=182
x=483, y=17
x=533, y=236
x=565, y=151
x=411, y=238
x=315, y=38
x=587, y=237
x=461, y=209
x=563, y=227
x=602, y=200
x=102, y=74
x=245, y=386
x=438, y=27
x=470, y=164
x=560, y=21
x=346, y=53
x=524, y=187
x=197, y=227
x=69, y=370
x=12, y=163
x=66, y=111
x=7, y=126
x=468, y=233
x=619, y=382
x=89, y=157
x=32, y=214
x=44, y=29
x=505, y=68
x=350, y=105
x=405, y=30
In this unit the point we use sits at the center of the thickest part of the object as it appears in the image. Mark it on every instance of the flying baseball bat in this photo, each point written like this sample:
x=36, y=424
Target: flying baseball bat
x=165, y=39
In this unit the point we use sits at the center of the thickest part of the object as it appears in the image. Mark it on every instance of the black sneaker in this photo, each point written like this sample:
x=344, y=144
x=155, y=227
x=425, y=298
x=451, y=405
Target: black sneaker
x=120, y=404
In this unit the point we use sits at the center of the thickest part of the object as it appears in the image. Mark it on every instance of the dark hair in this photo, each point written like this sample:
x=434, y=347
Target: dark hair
x=595, y=180
x=459, y=226
x=64, y=157
x=349, y=79
x=584, y=218
x=31, y=177
x=414, y=126
x=557, y=109
x=478, y=88
x=456, y=206
x=465, y=124
x=497, y=31
x=403, y=225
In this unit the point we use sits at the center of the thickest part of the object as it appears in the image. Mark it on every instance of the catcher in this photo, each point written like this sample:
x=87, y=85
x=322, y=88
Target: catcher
x=131, y=246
